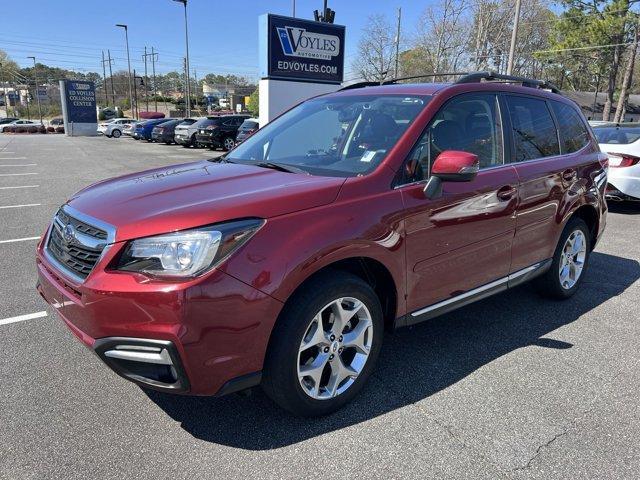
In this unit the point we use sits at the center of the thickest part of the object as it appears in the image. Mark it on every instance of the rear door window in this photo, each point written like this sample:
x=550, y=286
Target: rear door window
x=534, y=132
x=573, y=132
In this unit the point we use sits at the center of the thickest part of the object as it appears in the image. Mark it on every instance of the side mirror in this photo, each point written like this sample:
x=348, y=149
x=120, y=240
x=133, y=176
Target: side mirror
x=451, y=166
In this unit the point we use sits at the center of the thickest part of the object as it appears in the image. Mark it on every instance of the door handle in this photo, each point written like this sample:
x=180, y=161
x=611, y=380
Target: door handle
x=507, y=192
x=569, y=174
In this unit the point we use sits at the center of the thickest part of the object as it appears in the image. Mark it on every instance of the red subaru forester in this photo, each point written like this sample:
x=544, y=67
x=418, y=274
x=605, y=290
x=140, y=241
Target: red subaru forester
x=282, y=262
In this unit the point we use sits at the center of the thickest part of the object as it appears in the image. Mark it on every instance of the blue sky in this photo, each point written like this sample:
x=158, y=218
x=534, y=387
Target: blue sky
x=223, y=35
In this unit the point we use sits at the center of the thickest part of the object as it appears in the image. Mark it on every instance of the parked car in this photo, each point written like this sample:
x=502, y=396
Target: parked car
x=114, y=128
x=7, y=120
x=220, y=131
x=20, y=123
x=248, y=128
x=185, y=133
x=622, y=144
x=163, y=132
x=281, y=263
x=56, y=122
x=130, y=128
x=142, y=130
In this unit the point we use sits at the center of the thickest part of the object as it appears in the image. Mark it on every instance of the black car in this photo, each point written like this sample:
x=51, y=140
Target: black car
x=248, y=128
x=7, y=120
x=163, y=132
x=220, y=132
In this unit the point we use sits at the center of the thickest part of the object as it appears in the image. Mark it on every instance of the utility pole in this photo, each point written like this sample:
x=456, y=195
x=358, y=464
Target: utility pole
x=126, y=36
x=397, y=74
x=146, y=78
x=514, y=36
x=195, y=77
x=294, y=9
x=153, y=69
x=35, y=77
x=104, y=80
x=186, y=68
x=187, y=107
x=113, y=88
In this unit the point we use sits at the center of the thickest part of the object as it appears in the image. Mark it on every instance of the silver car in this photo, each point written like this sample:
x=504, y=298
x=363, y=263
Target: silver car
x=114, y=128
x=185, y=132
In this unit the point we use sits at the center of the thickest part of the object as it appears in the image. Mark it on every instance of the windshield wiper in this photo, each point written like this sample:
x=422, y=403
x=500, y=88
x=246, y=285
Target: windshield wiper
x=280, y=166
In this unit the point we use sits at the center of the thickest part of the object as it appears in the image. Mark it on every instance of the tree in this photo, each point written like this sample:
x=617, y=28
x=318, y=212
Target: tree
x=376, y=50
x=254, y=103
x=593, y=36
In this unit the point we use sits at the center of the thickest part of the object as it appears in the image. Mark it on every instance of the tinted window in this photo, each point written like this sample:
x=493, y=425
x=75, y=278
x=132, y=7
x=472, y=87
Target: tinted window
x=343, y=135
x=573, y=133
x=188, y=121
x=617, y=135
x=205, y=122
x=470, y=123
x=248, y=125
x=534, y=133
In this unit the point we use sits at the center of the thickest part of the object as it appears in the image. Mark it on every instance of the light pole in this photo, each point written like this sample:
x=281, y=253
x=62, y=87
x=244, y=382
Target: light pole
x=186, y=38
x=35, y=77
x=126, y=36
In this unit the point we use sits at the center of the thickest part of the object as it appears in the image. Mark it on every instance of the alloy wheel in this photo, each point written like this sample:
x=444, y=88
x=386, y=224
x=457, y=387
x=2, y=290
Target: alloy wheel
x=229, y=143
x=572, y=258
x=335, y=348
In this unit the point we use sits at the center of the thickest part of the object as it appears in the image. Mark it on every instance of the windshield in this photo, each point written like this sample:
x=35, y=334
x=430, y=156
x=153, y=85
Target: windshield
x=617, y=135
x=337, y=136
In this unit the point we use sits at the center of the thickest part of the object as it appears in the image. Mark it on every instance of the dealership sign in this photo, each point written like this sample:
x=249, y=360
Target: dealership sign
x=79, y=107
x=301, y=50
x=80, y=97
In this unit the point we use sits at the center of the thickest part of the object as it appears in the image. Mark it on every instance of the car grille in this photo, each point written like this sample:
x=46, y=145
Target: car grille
x=76, y=245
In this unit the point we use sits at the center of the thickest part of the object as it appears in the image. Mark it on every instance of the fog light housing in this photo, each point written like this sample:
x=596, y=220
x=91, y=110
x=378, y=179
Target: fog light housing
x=153, y=363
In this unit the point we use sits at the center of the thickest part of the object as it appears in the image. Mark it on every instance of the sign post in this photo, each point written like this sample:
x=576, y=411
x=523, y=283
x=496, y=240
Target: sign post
x=299, y=59
x=78, y=99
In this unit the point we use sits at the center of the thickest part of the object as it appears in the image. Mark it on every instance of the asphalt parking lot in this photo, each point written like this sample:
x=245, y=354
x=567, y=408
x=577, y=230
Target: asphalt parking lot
x=512, y=387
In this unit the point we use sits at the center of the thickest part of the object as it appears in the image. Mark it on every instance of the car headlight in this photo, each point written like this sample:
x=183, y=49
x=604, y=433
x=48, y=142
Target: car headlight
x=189, y=252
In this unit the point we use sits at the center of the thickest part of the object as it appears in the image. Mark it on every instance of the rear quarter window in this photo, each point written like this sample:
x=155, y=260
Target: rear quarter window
x=573, y=132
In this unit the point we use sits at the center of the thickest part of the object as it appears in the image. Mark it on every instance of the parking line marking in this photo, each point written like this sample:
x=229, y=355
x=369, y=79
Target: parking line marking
x=17, y=174
x=19, y=239
x=22, y=318
x=21, y=186
x=23, y=165
x=24, y=205
x=13, y=158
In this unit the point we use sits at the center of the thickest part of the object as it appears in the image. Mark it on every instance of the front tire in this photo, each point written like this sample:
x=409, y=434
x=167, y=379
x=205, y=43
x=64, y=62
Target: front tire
x=569, y=263
x=324, y=346
x=116, y=133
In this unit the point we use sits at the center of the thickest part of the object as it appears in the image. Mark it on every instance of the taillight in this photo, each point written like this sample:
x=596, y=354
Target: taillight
x=620, y=160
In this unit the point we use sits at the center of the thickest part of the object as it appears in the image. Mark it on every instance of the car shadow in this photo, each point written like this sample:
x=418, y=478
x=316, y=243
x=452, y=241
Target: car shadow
x=415, y=362
x=627, y=208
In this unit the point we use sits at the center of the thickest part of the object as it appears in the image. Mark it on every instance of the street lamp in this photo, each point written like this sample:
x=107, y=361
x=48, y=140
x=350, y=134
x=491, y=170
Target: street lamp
x=35, y=76
x=186, y=37
x=126, y=36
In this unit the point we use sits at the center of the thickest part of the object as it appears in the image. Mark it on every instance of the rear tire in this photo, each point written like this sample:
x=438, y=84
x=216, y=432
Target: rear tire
x=340, y=365
x=570, y=261
x=228, y=143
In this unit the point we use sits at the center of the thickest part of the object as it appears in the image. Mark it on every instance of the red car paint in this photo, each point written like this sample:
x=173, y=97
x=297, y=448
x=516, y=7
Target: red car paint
x=432, y=249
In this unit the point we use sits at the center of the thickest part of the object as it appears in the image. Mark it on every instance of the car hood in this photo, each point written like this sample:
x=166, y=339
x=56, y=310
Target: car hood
x=200, y=193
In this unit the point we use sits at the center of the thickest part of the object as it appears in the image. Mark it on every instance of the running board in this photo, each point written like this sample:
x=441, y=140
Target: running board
x=479, y=293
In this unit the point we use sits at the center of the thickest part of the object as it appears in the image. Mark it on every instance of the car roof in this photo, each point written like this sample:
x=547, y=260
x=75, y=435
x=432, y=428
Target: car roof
x=435, y=88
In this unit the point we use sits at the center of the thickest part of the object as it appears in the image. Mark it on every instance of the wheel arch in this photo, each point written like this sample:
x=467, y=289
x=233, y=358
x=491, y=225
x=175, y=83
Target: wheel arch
x=375, y=273
x=589, y=215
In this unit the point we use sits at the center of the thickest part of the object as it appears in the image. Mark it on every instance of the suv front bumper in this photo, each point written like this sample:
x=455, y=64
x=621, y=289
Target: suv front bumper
x=200, y=337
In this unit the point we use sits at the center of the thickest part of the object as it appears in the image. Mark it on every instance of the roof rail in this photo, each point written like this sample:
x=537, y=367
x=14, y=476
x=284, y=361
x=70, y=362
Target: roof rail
x=396, y=80
x=490, y=76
